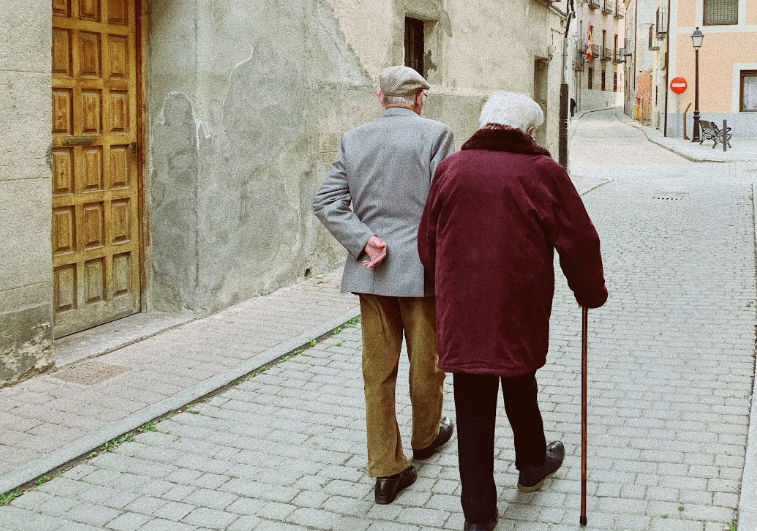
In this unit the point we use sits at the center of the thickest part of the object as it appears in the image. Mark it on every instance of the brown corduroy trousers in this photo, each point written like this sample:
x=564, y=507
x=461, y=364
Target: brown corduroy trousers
x=384, y=319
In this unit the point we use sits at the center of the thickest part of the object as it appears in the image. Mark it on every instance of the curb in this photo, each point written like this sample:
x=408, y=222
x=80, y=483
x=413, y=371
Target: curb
x=72, y=451
x=643, y=129
x=747, y=510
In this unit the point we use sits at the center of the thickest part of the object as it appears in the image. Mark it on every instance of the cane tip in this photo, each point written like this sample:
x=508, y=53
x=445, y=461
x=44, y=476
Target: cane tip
x=583, y=520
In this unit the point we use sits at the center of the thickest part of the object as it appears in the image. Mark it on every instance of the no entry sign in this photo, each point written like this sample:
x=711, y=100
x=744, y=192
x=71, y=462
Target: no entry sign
x=678, y=85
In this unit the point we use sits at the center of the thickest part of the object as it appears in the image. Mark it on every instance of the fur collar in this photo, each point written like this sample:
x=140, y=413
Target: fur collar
x=510, y=140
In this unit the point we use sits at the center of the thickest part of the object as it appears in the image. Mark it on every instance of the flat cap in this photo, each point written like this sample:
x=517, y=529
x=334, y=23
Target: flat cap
x=401, y=81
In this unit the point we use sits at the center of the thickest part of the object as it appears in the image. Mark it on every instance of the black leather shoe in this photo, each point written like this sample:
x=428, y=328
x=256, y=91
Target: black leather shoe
x=445, y=433
x=488, y=526
x=531, y=478
x=388, y=487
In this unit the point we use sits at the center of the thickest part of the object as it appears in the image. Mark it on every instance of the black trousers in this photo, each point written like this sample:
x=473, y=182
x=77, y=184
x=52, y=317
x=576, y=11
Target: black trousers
x=476, y=409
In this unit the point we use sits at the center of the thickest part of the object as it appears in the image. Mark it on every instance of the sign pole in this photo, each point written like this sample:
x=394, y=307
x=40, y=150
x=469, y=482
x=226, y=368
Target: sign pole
x=678, y=85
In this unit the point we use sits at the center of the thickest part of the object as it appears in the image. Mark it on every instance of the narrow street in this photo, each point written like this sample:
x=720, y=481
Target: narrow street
x=671, y=367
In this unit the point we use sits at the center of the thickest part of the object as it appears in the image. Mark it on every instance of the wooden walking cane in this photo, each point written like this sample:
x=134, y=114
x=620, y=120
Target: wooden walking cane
x=584, y=325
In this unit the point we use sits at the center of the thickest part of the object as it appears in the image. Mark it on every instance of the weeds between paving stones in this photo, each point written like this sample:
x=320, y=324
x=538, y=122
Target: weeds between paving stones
x=7, y=497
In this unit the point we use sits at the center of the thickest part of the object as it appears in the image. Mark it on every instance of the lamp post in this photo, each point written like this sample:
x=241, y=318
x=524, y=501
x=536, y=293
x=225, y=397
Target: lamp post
x=696, y=39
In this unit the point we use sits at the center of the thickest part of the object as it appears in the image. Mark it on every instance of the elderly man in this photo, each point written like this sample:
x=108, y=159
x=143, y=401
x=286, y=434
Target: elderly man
x=384, y=170
x=496, y=212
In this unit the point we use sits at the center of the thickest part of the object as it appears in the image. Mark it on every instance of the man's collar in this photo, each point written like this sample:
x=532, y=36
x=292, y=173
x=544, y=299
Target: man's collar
x=398, y=111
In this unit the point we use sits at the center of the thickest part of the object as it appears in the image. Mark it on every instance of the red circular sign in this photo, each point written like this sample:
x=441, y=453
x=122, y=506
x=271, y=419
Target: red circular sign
x=678, y=85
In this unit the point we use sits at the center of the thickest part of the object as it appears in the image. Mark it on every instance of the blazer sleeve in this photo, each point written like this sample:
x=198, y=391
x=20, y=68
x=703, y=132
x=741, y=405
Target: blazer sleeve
x=427, y=227
x=331, y=205
x=442, y=148
x=576, y=240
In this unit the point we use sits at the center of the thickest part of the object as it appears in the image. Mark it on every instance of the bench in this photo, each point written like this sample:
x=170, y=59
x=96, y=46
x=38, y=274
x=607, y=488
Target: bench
x=710, y=131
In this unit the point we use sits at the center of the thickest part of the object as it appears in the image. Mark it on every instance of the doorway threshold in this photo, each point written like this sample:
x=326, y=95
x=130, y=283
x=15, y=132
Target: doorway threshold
x=115, y=335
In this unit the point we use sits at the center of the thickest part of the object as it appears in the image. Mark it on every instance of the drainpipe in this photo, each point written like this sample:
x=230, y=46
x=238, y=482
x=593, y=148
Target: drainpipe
x=564, y=96
x=667, y=70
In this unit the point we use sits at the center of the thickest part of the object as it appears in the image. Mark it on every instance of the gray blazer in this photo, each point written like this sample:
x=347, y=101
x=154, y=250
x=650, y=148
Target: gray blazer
x=384, y=169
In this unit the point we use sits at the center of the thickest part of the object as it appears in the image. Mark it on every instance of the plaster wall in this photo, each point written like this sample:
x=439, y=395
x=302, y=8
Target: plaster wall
x=594, y=98
x=247, y=103
x=25, y=263
x=717, y=56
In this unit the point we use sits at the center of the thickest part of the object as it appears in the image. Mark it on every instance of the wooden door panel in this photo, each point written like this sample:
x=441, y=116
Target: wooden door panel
x=95, y=222
x=62, y=8
x=62, y=52
x=62, y=111
x=89, y=54
x=89, y=10
x=63, y=171
x=118, y=57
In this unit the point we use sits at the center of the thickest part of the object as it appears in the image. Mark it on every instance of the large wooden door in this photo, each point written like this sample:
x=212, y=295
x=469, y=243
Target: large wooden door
x=95, y=221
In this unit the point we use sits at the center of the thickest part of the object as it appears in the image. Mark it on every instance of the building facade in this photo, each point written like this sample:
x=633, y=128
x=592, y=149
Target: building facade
x=599, y=39
x=641, y=54
x=727, y=63
x=164, y=156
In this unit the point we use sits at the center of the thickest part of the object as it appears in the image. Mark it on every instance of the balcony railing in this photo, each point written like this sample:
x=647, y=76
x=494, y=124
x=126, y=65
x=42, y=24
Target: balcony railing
x=606, y=54
x=607, y=7
x=595, y=4
x=661, y=22
x=597, y=52
x=619, y=12
x=579, y=58
x=619, y=56
x=653, y=45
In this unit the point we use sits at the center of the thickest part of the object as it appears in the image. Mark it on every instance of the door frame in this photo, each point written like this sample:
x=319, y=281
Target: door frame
x=142, y=9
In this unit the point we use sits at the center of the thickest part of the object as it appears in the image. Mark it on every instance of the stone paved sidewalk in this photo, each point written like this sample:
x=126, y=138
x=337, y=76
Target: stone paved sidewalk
x=670, y=386
x=51, y=419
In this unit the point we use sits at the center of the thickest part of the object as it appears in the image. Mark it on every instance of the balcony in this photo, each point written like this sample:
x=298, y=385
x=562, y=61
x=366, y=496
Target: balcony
x=620, y=56
x=661, y=22
x=595, y=4
x=606, y=54
x=618, y=13
x=579, y=58
x=607, y=7
x=653, y=45
x=596, y=52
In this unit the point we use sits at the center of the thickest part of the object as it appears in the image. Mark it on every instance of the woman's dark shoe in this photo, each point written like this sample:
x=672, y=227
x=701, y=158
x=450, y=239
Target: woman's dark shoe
x=388, y=487
x=531, y=478
x=445, y=433
x=488, y=526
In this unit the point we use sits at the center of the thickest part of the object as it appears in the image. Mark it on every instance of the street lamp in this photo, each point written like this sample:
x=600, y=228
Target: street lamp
x=696, y=39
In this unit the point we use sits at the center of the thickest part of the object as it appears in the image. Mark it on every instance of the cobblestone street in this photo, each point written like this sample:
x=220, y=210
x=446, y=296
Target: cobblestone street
x=671, y=369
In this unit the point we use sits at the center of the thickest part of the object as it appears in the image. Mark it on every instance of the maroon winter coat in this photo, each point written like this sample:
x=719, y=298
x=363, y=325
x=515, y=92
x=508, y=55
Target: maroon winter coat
x=494, y=215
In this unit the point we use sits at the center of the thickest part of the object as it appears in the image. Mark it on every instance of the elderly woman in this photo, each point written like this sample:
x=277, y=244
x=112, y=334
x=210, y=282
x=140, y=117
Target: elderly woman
x=495, y=213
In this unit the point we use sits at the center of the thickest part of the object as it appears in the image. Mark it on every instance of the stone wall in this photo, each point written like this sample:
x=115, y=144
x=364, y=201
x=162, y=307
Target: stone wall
x=246, y=104
x=248, y=100
x=26, y=261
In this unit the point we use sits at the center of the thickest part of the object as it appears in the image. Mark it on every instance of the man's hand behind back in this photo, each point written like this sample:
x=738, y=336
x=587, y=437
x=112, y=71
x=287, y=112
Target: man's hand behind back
x=375, y=248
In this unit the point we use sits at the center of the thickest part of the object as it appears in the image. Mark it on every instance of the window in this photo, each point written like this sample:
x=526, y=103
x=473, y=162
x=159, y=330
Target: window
x=590, y=81
x=604, y=80
x=661, y=21
x=748, y=99
x=720, y=12
x=615, y=82
x=652, y=39
x=414, y=44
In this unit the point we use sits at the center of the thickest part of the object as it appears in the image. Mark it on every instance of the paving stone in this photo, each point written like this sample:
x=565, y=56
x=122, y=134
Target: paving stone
x=210, y=518
x=95, y=515
x=128, y=522
x=670, y=383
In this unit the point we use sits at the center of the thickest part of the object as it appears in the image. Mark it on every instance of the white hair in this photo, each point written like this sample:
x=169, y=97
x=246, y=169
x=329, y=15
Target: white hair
x=400, y=100
x=513, y=110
